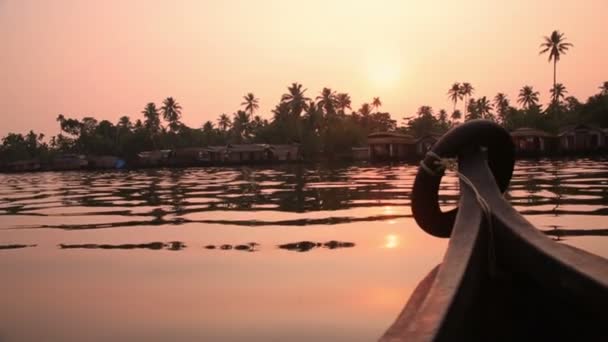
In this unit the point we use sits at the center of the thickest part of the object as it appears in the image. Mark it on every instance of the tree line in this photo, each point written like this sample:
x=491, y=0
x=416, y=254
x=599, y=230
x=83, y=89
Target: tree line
x=325, y=126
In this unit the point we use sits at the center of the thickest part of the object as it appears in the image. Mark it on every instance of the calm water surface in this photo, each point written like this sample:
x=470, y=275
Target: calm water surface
x=127, y=255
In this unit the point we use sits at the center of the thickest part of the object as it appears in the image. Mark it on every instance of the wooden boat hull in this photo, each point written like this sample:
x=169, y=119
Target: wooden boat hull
x=506, y=281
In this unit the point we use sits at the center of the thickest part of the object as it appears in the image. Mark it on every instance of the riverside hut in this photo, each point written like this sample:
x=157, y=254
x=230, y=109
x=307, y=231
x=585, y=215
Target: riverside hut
x=581, y=138
x=531, y=141
x=385, y=146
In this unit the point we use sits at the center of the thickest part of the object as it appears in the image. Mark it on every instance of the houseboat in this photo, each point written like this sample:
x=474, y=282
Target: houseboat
x=581, y=139
x=530, y=141
x=391, y=146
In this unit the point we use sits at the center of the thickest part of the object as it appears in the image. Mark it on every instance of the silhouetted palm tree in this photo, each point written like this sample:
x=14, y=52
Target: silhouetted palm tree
x=425, y=111
x=208, y=127
x=604, y=88
x=528, y=97
x=343, y=102
x=251, y=103
x=472, y=110
x=125, y=122
x=241, y=125
x=327, y=101
x=152, y=119
x=557, y=46
x=454, y=94
x=501, y=103
x=281, y=111
x=376, y=103
x=466, y=90
x=456, y=115
x=314, y=116
x=442, y=116
x=484, y=108
x=172, y=112
x=558, y=92
x=224, y=122
x=296, y=99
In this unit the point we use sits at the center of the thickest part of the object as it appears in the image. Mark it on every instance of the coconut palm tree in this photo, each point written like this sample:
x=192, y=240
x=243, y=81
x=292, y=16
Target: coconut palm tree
x=327, y=101
x=296, y=99
x=376, y=103
x=241, y=125
x=484, y=108
x=281, y=111
x=125, y=122
x=208, y=127
x=556, y=46
x=314, y=116
x=152, y=119
x=425, y=111
x=172, y=112
x=442, y=116
x=558, y=92
x=528, y=97
x=365, y=110
x=604, y=88
x=343, y=102
x=454, y=94
x=251, y=103
x=456, y=115
x=472, y=110
x=501, y=103
x=223, y=122
x=466, y=90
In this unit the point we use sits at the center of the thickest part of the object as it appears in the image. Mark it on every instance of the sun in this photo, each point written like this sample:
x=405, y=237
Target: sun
x=384, y=72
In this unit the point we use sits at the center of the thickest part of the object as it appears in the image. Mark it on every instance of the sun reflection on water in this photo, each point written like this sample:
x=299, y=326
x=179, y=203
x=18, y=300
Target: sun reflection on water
x=391, y=241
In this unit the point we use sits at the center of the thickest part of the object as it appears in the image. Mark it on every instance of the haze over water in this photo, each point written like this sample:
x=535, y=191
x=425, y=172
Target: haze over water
x=91, y=269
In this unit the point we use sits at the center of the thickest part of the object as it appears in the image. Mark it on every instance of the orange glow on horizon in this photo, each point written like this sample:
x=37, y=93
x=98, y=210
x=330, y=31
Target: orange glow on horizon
x=109, y=58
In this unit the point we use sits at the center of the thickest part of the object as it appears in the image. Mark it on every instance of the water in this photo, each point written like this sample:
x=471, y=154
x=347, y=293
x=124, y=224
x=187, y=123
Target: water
x=127, y=255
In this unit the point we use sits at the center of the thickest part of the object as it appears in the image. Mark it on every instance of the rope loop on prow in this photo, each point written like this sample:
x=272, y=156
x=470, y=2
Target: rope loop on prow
x=437, y=169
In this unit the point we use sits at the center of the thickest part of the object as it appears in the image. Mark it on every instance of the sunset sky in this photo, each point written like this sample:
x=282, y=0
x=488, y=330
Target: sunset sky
x=109, y=58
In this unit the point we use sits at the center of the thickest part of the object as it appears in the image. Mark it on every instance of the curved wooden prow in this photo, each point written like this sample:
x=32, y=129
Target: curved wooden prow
x=541, y=290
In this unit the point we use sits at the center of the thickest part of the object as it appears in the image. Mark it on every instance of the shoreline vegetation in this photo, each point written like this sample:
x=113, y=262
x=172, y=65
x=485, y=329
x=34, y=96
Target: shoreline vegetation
x=324, y=128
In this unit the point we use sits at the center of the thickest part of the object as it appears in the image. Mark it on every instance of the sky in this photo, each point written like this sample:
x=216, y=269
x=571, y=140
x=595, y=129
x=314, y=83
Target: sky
x=109, y=58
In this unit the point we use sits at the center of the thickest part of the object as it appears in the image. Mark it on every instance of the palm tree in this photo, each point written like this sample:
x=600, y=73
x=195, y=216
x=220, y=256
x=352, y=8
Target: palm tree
x=124, y=122
x=454, y=94
x=172, y=112
x=472, y=110
x=365, y=110
x=256, y=124
x=501, y=103
x=314, y=116
x=223, y=122
x=376, y=103
x=208, y=127
x=152, y=119
x=528, y=97
x=241, y=125
x=604, y=89
x=442, y=116
x=456, y=115
x=251, y=103
x=343, y=102
x=466, y=90
x=327, y=101
x=556, y=46
x=558, y=92
x=425, y=111
x=281, y=111
x=296, y=99
x=484, y=108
